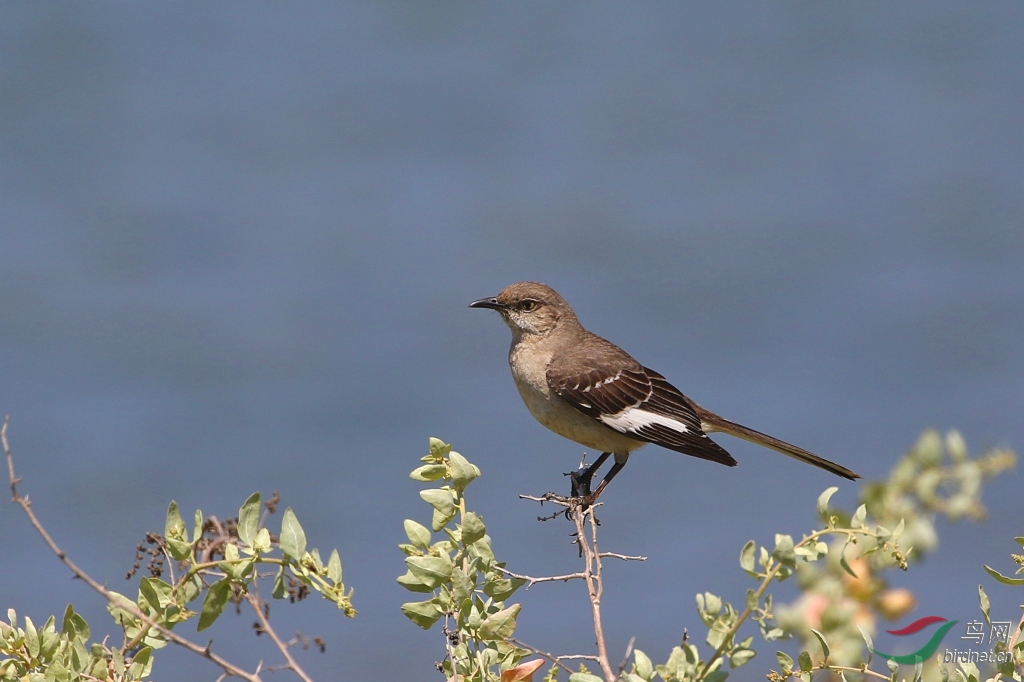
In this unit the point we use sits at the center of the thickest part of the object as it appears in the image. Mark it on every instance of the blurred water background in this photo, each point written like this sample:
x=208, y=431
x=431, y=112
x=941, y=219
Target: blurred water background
x=237, y=241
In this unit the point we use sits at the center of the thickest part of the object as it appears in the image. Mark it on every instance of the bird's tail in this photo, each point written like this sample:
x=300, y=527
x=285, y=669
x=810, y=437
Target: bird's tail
x=712, y=422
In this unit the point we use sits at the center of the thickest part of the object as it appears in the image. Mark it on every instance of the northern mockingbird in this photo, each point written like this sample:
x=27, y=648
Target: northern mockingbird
x=591, y=391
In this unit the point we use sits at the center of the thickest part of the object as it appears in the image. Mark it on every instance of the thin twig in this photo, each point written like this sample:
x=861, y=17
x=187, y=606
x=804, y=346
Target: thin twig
x=531, y=581
x=549, y=497
x=23, y=502
x=556, y=660
x=253, y=598
x=449, y=647
x=843, y=668
x=624, y=557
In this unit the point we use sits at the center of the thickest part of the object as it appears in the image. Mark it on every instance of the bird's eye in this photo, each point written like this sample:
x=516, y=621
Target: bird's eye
x=528, y=305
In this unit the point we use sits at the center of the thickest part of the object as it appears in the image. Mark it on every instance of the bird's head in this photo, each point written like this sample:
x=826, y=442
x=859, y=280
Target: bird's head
x=529, y=308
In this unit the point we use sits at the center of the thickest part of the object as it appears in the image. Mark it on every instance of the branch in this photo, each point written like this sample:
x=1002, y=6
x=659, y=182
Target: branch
x=556, y=660
x=531, y=581
x=768, y=578
x=624, y=557
x=592, y=574
x=254, y=600
x=23, y=501
x=847, y=669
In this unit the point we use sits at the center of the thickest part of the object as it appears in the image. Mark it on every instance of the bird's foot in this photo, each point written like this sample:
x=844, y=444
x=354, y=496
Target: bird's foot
x=581, y=495
x=580, y=482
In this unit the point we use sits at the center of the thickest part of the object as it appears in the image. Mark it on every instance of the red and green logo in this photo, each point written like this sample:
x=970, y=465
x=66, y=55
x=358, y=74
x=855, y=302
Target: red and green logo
x=929, y=647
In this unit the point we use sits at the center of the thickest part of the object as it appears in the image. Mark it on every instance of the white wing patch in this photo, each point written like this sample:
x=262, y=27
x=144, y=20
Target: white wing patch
x=632, y=419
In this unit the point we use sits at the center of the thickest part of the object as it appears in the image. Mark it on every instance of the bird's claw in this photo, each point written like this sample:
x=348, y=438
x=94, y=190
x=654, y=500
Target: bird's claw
x=580, y=482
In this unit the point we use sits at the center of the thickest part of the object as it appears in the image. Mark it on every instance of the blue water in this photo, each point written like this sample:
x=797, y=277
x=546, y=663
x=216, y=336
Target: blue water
x=237, y=242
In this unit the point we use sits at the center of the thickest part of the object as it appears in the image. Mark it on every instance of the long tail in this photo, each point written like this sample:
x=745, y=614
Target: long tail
x=711, y=422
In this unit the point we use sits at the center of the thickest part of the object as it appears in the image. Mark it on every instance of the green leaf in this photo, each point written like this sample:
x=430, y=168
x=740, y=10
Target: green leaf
x=585, y=677
x=175, y=534
x=249, y=519
x=262, y=541
x=868, y=643
x=428, y=472
x=142, y=663
x=178, y=549
x=422, y=613
x=334, y=567
x=642, y=664
x=462, y=587
x=472, y=528
x=431, y=570
x=31, y=638
x=280, y=590
x=190, y=589
x=898, y=530
x=417, y=533
x=439, y=520
x=174, y=526
x=785, y=661
x=986, y=605
x=845, y=565
x=82, y=632
x=410, y=582
x=716, y=675
x=823, y=501
x=747, y=558
x=444, y=506
x=438, y=448
x=440, y=499
x=858, y=517
x=740, y=657
x=198, y=528
x=315, y=554
x=463, y=471
x=1020, y=541
x=805, y=662
x=821, y=640
x=812, y=551
x=1002, y=578
x=293, y=538
x=783, y=551
x=216, y=598
x=712, y=603
x=155, y=591
x=717, y=634
x=74, y=626
x=501, y=589
x=500, y=625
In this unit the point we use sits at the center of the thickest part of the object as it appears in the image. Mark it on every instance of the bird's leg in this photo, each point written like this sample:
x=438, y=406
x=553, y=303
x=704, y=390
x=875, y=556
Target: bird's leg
x=581, y=478
x=620, y=461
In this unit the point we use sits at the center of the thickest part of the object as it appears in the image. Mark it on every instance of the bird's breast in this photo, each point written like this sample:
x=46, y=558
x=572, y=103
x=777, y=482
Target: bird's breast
x=529, y=370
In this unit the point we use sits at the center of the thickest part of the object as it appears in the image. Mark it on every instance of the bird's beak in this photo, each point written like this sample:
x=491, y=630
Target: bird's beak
x=490, y=302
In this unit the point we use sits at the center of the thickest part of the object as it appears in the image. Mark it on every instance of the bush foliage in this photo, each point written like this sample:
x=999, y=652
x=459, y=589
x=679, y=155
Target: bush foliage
x=840, y=567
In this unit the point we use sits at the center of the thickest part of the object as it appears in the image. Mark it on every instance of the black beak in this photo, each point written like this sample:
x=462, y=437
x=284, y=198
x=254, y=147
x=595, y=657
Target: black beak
x=490, y=302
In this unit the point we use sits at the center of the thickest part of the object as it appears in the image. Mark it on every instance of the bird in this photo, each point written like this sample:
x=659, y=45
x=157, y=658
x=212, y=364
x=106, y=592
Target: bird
x=585, y=388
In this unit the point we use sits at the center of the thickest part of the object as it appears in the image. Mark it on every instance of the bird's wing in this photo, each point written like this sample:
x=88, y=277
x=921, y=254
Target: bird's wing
x=639, y=403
